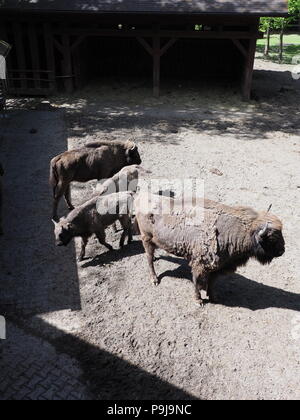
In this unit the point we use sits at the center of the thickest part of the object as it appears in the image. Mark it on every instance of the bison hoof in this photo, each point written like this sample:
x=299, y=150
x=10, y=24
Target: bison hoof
x=155, y=281
x=199, y=302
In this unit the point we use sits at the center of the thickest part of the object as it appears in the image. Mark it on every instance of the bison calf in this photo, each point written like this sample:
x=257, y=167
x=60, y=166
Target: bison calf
x=99, y=161
x=93, y=217
x=224, y=239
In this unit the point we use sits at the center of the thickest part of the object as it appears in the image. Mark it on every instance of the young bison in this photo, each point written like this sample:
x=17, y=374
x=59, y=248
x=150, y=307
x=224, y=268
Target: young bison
x=99, y=161
x=93, y=217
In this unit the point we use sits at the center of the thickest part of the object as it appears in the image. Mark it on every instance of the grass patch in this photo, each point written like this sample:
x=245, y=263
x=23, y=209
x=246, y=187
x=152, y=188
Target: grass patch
x=290, y=50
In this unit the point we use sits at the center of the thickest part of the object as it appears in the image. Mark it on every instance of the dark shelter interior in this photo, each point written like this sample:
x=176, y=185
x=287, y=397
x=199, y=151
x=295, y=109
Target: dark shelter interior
x=188, y=59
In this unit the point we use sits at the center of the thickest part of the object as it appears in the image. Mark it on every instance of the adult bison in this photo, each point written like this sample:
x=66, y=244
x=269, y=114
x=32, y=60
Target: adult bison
x=99, y=160
x=224, y=239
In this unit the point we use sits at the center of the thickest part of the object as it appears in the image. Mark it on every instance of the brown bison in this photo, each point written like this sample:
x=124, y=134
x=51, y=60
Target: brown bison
x=1, y=199
x=87, y=220
x=224, y=239
x=99, y=160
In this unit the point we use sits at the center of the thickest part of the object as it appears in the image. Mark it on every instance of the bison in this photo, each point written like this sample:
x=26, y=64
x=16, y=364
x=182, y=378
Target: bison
x=126, y=179
x=224, y=239
x=86, y=220
x=99, y=160
x=1, y=199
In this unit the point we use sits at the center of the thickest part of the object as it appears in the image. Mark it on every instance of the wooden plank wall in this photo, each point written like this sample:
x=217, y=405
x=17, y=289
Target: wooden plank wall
x=31, y=64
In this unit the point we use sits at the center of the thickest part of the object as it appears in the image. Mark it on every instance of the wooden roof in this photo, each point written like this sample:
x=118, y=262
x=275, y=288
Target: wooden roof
x=232, y=7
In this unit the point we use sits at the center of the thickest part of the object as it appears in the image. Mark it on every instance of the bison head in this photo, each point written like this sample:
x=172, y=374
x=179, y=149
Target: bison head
x=268, y=241
x=63, y=232
x=132, y=154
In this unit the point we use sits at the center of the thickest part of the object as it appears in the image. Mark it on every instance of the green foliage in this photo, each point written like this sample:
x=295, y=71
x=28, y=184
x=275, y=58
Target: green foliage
x=281, y=23
x=291, y=48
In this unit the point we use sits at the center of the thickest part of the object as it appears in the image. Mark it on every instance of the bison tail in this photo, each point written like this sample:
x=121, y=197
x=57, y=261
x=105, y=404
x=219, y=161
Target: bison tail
x=53, y=179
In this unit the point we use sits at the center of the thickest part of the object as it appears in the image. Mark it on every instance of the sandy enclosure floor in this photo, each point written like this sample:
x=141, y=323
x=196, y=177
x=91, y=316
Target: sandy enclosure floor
x=125, y=338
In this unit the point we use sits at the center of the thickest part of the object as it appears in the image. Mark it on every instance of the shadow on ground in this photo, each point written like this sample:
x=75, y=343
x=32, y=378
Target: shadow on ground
x=205, y=108
x=84, y=371
x=239, y=291
x=35, y=276
x=135, y=248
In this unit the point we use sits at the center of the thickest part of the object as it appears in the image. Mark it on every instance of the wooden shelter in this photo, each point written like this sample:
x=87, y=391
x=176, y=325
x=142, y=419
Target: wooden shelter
x=53, y=40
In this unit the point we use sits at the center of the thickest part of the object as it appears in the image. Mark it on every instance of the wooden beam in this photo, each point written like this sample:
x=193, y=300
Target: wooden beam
x=58, y=46
x=167, y=46
x=77, y=42
x=49, y=46
x=248, y=73
x=17, y=29
x=145, y=44
x=35, y=54
x=67, y=64
x=162, y=33
x=241, y=47
x=156, y=66
x=156, y=53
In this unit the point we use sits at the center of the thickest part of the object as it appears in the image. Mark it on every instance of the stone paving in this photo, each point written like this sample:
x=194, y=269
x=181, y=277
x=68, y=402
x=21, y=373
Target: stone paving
x=31, y=369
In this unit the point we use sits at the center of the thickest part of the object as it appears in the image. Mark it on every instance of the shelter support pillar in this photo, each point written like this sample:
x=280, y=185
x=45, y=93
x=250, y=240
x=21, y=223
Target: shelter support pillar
x=249, y=67
x=249, y=56
x=156, y=51
x=156, y=67
x=67, y=64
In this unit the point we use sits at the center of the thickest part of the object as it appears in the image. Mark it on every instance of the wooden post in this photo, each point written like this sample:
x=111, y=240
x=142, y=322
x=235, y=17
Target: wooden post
x=49, y=45
x=18, y=37
x=67, y=64
x=156, y=66
x=156, y=52
x=249, y=65
x=35, y=54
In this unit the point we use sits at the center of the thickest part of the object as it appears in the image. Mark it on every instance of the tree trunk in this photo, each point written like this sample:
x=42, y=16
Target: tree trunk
x=267, y=45
x=281, y=44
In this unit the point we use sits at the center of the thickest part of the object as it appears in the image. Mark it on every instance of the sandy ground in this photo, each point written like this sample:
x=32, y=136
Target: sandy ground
x=129, y=339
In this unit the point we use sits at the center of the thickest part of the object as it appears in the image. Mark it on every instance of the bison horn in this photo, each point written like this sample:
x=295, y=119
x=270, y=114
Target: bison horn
x=262, y=233
x=54, y=222
x=269, y=209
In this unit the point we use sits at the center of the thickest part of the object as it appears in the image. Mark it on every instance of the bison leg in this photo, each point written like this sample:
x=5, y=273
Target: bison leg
x=68, y=198
x=55, y=207
x=150, y=250
x=59, y=191
x=102, y=239
x=84, y=242
x=127, y=231
x=115, y=228
x=200, y=283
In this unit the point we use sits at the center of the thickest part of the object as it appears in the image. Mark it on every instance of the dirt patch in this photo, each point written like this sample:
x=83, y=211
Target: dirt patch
x=130, y=339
